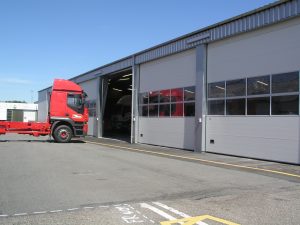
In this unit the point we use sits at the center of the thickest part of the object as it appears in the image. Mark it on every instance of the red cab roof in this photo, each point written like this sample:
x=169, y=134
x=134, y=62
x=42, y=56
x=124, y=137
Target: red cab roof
x=65, y=85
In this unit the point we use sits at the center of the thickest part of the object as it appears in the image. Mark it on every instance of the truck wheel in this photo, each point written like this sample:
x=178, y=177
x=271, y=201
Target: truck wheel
x=62, y=134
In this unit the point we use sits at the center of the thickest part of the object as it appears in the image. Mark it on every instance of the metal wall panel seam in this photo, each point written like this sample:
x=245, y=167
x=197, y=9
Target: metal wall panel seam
x=288, y=10
x=222, y=31
x=271, y=15
x=249, y=23
x=219, y=32
x=295, y=7
x=232, y=28
x=245, y=24
x=266, y=17
x=262, y=19
x=248, y=20
x=252, y=22
x=237, y=27
x=228, y=29
x=271, y=11
x=254, y=19
x=280, y=12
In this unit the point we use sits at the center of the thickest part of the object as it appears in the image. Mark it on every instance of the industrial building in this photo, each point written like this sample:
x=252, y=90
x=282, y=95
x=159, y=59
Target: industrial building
x=18, y=112
x=230, y=88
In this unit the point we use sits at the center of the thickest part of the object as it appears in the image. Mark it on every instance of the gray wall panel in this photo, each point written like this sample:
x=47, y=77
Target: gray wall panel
x=43, y=104
x=42, y=95
x=170, y=72
x=272, y=138
x=271, y=50
x=171, y=132
x=91, y=88
x=92, y=126
x=42, y=111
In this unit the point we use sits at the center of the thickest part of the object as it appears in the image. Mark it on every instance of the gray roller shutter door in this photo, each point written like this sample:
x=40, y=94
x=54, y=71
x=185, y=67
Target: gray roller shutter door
x=175, y=71
x=271, y=50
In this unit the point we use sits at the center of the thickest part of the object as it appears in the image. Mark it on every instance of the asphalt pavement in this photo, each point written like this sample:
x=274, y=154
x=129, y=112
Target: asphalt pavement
x=42, y=182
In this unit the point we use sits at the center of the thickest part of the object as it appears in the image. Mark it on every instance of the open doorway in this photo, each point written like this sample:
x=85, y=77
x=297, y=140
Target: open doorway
x=117, y=111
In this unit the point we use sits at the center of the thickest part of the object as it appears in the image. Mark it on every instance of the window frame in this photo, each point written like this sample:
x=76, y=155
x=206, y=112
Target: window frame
x=246, y=97
x=73, y=107
x=214, y=83
x=178, y=99
x=247, y=87
x=284, y=92
x=236, y=96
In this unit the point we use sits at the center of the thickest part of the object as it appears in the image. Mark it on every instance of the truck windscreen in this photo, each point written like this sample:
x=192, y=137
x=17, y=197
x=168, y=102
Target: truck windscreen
x=75, y=102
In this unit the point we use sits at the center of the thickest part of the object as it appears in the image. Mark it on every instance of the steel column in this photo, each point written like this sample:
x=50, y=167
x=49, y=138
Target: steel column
x=135, y=105
x=200, y=98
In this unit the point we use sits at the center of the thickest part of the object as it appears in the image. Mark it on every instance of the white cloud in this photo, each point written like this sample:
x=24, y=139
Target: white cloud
x=14, y=81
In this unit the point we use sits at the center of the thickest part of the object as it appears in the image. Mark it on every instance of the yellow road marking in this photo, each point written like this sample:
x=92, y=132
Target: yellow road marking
x=194, y=220
x=196, y=159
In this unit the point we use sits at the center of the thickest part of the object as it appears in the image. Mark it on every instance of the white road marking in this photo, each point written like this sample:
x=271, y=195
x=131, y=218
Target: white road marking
x=171, y=209
x=129, y=214
x=72, y=209
x=88, y=207
x=20, y=214
x=41, y=212
x=129, y=206
x=140, y=213
x=158, y=211
x=176, y=211
x=55, y=211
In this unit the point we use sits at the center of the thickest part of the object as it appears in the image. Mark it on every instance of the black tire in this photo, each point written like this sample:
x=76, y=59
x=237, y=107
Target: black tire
x=62, y=134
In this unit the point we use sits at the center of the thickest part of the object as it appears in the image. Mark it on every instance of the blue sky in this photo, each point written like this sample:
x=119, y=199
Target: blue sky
x=45, y=39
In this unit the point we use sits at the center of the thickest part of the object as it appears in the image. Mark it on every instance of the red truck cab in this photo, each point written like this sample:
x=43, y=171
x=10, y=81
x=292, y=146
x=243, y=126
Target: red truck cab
x=68, y=115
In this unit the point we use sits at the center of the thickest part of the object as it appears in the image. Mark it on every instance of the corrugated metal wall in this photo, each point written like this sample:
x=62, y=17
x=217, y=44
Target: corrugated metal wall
x=111, y=68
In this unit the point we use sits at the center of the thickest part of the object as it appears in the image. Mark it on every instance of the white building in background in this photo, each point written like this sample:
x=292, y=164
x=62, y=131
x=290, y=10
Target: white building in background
x=20, y=112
